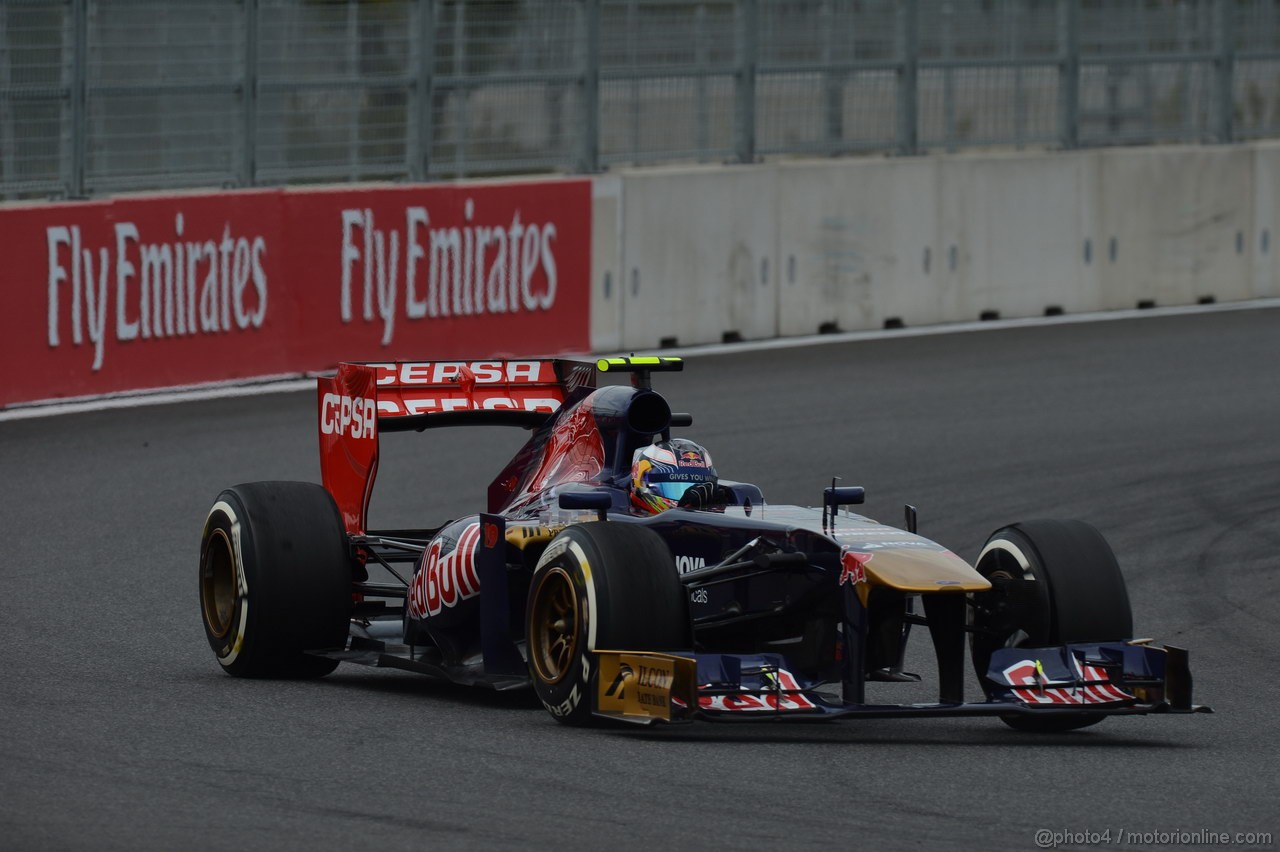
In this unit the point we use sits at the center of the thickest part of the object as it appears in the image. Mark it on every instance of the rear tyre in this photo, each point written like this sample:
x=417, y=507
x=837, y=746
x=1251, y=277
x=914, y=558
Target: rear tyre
x=1053, y=582
x=275, y=579
x=604, y=584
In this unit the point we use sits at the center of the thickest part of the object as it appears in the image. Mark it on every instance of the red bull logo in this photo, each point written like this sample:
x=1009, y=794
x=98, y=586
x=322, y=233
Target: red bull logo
x=444, y=580
x=853, y=568
x=1091, y=684
x=689, y=458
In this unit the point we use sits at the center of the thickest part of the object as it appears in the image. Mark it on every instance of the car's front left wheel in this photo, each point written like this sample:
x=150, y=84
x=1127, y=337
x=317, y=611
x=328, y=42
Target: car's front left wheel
x=608, y=585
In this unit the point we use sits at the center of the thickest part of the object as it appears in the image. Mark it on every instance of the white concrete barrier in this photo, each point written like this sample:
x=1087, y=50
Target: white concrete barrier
x=1173, y=222
x=698, y=252
x=1266, y=209
x=857, y=244
x=704, y=254
x=1013, y=234
x=606, y=264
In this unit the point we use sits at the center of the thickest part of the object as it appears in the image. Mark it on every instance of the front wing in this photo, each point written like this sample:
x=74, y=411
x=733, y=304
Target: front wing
x=1117, y=678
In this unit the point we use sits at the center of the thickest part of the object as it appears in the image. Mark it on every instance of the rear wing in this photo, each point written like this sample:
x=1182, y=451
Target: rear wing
x=364, y=399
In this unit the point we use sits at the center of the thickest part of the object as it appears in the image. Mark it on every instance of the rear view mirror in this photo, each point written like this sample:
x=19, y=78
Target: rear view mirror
x=600, y=501
x=849, y=495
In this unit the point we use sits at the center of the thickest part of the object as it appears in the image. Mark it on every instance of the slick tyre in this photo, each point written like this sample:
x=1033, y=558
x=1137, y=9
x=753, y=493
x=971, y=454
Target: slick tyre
x=275, y=579
x=1053, y=582
x=605, y=584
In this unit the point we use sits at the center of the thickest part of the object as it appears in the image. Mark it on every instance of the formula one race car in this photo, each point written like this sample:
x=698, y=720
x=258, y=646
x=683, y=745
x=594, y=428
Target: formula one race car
x=720, y=607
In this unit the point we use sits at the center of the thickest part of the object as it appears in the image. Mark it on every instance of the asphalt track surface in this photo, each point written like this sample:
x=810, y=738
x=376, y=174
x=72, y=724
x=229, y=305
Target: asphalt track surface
x=119, y=731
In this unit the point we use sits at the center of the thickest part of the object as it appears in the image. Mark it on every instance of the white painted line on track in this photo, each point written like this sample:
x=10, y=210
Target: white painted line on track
x=292, y=383
x=164, y=396
x=962, y=327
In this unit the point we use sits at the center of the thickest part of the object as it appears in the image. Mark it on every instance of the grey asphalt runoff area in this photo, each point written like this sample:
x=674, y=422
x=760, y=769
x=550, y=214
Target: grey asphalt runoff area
x=119, y=731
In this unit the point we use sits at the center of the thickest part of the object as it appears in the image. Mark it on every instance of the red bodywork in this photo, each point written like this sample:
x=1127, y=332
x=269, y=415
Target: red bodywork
x=353, y=403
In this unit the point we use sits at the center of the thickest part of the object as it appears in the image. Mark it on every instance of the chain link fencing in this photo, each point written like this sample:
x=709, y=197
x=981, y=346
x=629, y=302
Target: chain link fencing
x=100, y=96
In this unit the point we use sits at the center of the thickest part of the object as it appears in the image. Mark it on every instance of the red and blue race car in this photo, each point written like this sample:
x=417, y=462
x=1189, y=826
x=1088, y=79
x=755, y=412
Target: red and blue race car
x=614, y=573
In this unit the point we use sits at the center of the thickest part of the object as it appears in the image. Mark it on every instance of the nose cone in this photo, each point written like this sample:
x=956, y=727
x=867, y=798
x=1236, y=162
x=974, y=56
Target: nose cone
x=921, y=570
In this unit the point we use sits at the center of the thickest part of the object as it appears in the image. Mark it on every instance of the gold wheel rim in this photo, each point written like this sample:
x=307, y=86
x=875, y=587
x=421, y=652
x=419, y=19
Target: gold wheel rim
x=555, y=626
x=218, y=584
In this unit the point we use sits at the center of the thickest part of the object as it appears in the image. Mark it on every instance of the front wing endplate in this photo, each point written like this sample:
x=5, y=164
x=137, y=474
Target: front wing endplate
x=641, y=686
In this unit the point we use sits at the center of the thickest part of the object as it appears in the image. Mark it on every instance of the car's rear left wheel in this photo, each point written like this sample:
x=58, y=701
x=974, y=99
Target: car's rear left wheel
x=275, y=579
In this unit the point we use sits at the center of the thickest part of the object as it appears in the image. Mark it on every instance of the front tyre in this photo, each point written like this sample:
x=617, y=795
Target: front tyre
x=275, y=579
x=604, y=584
x=1053, y=582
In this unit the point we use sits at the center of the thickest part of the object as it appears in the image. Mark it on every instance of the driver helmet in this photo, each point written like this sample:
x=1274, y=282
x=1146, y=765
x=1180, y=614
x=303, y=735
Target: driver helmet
x=662, y=472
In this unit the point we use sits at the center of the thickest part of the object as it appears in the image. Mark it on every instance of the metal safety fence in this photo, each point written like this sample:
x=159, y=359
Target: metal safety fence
x=114, y=95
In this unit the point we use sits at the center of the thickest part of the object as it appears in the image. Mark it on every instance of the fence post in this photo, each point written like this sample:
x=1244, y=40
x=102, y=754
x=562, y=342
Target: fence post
x=1019, y=88
x=834, y=82
x=423, y=92
x=354, y=127
x=461, y=88
x=908, y=76
x=748, y=45
x=633, y=75
x=8, y=161
x=700, y=62
x=249, y=97
x=75, y=187
x=947, y=37
x=1224, y=67
x=589, y=151
x=1069, y=74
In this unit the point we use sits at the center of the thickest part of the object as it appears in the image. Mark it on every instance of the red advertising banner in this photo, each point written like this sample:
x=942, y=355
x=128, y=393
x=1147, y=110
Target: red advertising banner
x=182, y=289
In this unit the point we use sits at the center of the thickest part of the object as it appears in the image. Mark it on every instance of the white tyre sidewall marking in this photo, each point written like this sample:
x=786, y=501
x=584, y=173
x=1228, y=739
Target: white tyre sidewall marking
x=1011, y=549
x=1014, y=551
x=557, y=547
x=242, y=584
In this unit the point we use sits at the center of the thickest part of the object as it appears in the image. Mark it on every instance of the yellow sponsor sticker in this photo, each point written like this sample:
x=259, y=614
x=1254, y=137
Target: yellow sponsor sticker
x=639, y=685
x=606, y=364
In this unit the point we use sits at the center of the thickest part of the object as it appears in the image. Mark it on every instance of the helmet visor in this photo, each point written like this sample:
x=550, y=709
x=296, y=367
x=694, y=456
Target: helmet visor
x=673, y=490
